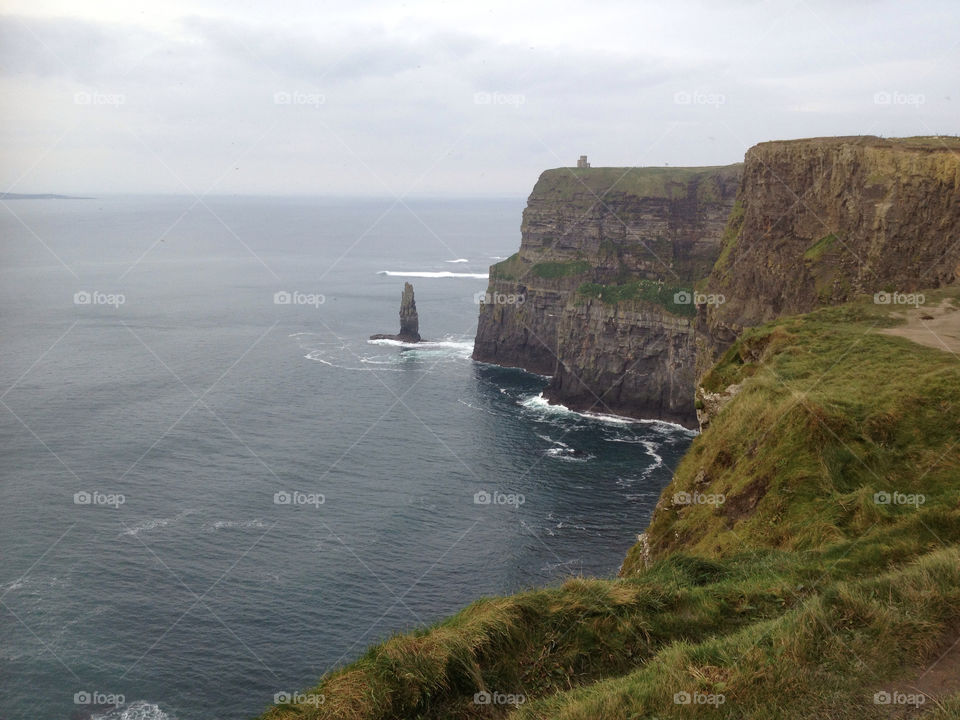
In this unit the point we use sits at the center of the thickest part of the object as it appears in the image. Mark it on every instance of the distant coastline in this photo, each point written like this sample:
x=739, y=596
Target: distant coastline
x=41, y=196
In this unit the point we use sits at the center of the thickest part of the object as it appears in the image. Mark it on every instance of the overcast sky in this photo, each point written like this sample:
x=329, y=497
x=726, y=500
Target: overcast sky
x=446, y=98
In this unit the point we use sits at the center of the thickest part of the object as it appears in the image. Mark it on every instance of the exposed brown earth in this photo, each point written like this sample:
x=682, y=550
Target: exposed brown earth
x=937, y=327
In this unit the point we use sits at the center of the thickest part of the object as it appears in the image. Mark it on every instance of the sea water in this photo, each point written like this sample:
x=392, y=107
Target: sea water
x=215, y=488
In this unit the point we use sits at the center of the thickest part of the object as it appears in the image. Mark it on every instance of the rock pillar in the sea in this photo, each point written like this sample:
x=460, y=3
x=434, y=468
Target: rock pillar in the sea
x=409, y=322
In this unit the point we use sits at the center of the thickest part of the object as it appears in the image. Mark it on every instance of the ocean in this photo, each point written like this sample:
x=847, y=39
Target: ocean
x=215, y=488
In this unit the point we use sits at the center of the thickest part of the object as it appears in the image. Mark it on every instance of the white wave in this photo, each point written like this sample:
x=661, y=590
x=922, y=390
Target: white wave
x=315, y=356
x=340, y=355
x=458, y=260
x=33, y=583
x=476, y=407
x=553, y=567
x=425, y=344
x=496, y=257
x=567, y=454
x=539, y=402
x=638, y=497
x=426, y=274
x=561, y=525
x=13, y=585
x=452, y=348
x=562, y=451
x=257, y=524
x=652, y=452
x=137, y=710
x=153, y=523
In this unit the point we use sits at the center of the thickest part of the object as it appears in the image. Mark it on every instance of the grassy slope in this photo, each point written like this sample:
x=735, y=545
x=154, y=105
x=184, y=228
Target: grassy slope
x=796, y=598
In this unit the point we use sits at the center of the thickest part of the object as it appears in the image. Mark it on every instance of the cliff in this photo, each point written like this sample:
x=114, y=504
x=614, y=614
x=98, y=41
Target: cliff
x=591, y=298
x=819, y=221
x=597, y=295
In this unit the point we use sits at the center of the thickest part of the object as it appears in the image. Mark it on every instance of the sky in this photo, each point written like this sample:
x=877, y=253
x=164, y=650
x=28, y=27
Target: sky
x=446, y=98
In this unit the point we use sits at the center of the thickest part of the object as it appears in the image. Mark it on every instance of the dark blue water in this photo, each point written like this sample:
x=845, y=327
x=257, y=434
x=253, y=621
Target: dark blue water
x=201, y=401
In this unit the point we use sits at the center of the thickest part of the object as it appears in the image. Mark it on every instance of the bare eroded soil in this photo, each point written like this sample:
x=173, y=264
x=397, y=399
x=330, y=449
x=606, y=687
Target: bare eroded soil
x=937, y=327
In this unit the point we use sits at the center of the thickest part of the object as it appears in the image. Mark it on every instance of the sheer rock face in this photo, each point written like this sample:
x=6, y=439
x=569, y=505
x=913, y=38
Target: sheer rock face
x=821, y=220
x=409, y=320
x=814, y=222
x=608, y=226
x=633, y=359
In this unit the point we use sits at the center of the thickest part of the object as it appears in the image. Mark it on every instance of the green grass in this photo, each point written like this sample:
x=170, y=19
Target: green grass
x=843, y=413
x=821, y=246
x=650, y=291
x=509, y=269
x=797, y=597
x=730, y=233
x=554, y=270
x=580, y=188
x=514, y=268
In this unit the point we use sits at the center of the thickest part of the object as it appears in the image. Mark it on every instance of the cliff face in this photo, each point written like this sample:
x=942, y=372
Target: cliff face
x=591, y=297
x=603, y=252
x=631, y=358
x=821, y=220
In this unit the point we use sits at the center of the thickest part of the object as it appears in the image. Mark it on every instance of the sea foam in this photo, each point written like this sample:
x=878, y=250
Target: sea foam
x=430, y=274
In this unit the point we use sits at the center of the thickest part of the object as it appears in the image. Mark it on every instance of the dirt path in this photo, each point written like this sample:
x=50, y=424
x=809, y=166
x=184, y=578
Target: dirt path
x=937, y=327
x=938, y=680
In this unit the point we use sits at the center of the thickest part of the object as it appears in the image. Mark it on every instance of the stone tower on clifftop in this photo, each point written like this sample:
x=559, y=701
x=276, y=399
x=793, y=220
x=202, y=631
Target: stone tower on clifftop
x=582, y=162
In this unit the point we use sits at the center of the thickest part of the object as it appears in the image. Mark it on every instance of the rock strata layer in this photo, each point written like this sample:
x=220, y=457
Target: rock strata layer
x=821, y=220
x=630, y=282
x=590, y=297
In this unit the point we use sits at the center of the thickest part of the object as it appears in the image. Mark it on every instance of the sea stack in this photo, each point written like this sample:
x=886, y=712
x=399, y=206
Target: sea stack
x=409, y=321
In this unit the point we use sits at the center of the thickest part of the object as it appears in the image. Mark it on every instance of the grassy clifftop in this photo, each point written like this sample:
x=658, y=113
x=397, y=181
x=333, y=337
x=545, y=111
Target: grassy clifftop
x=671, y=183
x=829, y=412
x=828, y=573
